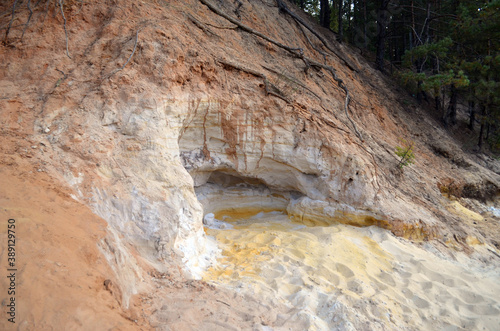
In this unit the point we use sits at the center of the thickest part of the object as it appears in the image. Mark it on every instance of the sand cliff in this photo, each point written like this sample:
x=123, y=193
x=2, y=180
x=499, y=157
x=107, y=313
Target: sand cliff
x=147, y=124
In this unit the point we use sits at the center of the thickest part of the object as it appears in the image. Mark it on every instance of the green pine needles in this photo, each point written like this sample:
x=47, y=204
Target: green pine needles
x=405, y=153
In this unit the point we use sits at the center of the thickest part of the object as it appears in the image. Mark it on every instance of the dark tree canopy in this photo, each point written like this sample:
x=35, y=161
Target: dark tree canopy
x=445, y=51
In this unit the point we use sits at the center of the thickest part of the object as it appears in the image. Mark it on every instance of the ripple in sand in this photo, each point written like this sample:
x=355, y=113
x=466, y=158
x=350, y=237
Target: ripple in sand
x=470, y=297
x=426, y=286
x=344, y=270
x=483, y=310
x=419, y=302
x=387, y=278
x=394, y=284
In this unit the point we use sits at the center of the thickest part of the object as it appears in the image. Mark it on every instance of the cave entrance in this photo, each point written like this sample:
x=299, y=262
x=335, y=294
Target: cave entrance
x=229, y=198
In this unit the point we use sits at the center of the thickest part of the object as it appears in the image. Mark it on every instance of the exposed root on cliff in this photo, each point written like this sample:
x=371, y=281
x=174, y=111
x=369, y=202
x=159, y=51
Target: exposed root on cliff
x=283, y=7
x=294, y=80
x=297, y=52
x=310, y=42
x=271, y=89
x=129, y=58
x=201, y=25
x=61, y=2
x=29, y=18
x=58, y=3
x=10, y=22
x=247, y=28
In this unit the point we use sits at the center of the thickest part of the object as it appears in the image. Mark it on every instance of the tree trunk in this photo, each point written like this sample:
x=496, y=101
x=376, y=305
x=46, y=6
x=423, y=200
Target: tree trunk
x=349, y=16
x=425, y=30
x=450, y=117
x=382, y=22
x=481, y=130
x=472, y=115
x=324, y=13
x=420, y=92
x=413, y=25
x=341, y=28
x=365, y=27
x=437, y=103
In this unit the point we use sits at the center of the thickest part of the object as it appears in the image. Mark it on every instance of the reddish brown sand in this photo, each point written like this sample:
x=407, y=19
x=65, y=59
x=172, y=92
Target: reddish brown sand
x=60, y=272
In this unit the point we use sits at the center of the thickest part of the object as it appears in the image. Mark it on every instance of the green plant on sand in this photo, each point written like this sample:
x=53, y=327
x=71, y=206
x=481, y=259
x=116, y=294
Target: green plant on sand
x=405, y=152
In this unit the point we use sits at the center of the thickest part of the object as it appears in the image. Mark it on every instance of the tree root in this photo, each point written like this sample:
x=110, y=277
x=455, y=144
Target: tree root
x=247, y=28
x=298, y=52
x=65, y=31
x=29, y=18
x=222, y=27
x=201, y=26
x=271, y=89
x=130, y=57
x=294, y=80
x=310, y=42
x=29, y=7
x=10, y=23
x=283, y=7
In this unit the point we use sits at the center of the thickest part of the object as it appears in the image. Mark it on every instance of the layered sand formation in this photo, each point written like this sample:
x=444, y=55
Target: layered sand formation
x=137, y=143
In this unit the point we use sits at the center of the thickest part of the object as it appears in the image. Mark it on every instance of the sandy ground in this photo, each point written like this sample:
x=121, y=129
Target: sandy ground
x=60, y=274
x=63, y=281
x=271, y=274
x=343, y=277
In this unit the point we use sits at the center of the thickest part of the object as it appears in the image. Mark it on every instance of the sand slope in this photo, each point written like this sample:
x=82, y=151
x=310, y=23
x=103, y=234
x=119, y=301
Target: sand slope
x=60, y=271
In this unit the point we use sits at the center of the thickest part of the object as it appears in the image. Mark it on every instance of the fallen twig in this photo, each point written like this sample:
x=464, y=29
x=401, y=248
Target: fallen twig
x=494, y=253
x=227, y=304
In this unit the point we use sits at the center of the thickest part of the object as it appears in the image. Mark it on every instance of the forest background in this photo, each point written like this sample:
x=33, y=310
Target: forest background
x=445, y=52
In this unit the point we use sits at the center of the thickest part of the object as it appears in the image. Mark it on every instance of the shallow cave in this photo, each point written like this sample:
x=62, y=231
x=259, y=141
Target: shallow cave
x=230, y=196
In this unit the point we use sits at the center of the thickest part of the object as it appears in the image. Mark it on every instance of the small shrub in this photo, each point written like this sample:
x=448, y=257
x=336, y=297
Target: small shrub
x=405, y=153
